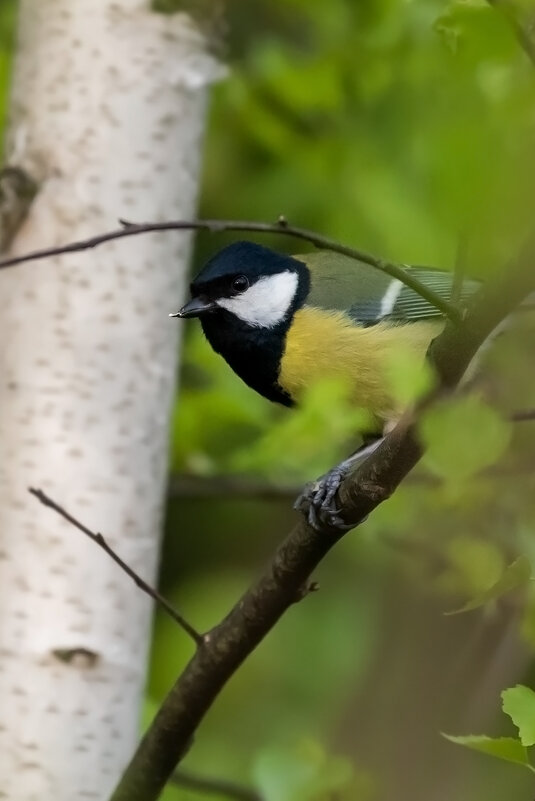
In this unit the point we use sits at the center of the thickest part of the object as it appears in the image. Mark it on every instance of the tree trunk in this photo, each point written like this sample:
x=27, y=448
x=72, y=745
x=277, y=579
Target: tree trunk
x=107, y=115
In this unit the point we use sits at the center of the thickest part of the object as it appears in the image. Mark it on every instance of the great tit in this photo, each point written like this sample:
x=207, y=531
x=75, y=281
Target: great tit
x=283, y=322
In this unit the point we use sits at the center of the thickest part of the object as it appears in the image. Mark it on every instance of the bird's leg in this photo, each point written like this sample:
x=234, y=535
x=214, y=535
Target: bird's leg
x=317, y=499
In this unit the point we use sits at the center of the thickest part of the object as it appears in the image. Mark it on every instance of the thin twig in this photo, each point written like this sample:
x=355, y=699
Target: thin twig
x=101, y=542
x=216, y=226
x=200, y=784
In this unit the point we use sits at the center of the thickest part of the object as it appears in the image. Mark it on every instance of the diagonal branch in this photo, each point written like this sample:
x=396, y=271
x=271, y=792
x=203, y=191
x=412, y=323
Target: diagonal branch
x=228, y=644
x=101, y=542
x=216, y=226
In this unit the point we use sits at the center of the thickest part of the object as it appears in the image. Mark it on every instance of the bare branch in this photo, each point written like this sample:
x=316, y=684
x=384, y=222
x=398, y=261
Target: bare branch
x=101, y=542
x=228, y=644
x=525, y=416
x=216, y=226
x=219, y=787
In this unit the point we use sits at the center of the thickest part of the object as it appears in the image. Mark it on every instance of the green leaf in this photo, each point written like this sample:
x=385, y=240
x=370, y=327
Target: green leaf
x=515, y=575
x=463, y=436
x=519, y=703
x=509, y=749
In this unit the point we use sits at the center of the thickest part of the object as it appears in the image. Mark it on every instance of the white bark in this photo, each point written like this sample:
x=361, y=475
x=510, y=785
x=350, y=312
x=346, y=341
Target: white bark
x=107, y=114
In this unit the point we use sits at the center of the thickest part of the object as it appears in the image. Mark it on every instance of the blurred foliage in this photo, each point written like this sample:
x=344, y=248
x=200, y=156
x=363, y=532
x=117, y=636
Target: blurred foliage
x=404, y=127
x=515, y=575
x=440, y=427
x=307, y=773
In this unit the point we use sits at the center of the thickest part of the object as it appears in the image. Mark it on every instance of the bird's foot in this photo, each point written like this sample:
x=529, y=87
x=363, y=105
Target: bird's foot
x=317, y=501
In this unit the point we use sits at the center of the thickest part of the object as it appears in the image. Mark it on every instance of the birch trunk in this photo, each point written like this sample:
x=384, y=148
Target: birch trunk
x=107, y=114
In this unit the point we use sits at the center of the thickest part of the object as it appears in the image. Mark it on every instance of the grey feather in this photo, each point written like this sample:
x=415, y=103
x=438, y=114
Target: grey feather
x=344, y=284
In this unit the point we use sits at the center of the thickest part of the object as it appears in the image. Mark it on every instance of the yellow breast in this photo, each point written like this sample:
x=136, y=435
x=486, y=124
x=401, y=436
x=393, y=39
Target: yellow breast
x=323, y=343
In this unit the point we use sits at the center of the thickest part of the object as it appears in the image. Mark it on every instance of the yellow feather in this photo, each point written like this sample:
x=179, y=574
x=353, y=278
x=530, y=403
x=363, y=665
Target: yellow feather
x=323, y=343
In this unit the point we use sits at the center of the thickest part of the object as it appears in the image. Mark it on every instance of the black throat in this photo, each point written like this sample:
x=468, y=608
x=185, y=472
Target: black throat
x=255, y=353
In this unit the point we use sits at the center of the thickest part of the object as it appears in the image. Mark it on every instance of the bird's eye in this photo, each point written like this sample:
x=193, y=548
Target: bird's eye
x=240, y=283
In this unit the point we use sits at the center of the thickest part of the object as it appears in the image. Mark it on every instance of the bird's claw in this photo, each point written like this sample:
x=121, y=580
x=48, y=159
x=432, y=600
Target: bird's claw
x=316, y=501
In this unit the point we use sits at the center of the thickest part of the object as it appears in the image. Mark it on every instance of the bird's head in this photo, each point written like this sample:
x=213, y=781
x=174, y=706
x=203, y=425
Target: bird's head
x=258, y=286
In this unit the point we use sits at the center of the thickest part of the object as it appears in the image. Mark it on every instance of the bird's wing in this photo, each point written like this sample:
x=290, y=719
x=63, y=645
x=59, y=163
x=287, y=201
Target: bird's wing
x=369, y=295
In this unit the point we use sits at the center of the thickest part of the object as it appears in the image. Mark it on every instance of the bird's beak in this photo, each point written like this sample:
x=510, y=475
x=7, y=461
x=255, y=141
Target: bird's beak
x=196, y=307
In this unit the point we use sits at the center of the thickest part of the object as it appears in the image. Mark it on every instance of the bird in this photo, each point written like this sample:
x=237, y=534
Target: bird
x=283, y=322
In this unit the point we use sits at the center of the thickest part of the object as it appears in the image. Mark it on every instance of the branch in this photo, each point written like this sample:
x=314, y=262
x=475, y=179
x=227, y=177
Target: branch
x=523, y=29
x=228, y=644
x=101, y=542
x=214, y=786
x=216, y=226
x=525, y=416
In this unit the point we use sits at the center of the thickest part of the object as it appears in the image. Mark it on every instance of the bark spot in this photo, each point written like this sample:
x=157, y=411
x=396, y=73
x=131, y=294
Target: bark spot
x=75, y=453
x=77, y=657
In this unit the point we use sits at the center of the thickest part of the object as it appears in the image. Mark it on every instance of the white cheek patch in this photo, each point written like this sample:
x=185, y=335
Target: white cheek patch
x=265, y=303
